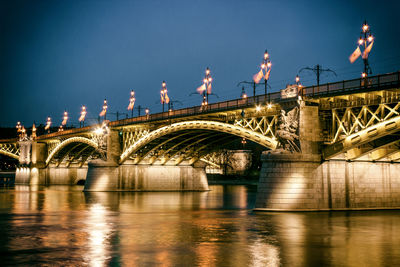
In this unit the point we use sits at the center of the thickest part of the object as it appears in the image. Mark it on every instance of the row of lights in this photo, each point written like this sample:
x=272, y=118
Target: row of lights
x=365, y=39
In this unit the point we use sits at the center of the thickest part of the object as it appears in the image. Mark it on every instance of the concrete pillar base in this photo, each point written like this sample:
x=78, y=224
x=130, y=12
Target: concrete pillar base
x=300, y=182
x=108, y=177
x=49, y=175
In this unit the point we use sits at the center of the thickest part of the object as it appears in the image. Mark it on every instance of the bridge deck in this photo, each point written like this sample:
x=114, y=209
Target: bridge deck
x=373, y=83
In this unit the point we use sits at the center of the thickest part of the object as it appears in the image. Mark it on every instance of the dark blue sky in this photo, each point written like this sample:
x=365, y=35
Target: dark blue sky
x=59, y=55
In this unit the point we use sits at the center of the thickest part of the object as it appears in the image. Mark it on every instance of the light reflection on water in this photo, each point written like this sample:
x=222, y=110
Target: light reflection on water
x=60, y=225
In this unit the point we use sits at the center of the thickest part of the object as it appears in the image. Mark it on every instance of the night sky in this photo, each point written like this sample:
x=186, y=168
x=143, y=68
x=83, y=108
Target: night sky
x=60, y=55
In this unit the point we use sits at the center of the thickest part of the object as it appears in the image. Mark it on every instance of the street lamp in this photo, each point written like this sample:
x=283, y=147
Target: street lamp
x=243, y=94
x=82, y=117
x=164, y=95
x=19, y=129
x=104, y=111
x=207, y=82
x=48, y=123
x=65, y=119
x=132, y=100
x=299, y=86
x=205, y=89
x=366, y=40
x=266, y=65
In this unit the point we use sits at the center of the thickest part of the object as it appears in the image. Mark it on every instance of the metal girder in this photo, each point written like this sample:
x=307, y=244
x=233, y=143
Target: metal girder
x=68, y=141
x=10, y=150
x=140, y=158
x=263, y=125
x=166, y=158
x=65, y=154
x=369, y=134
x=200, y=154
x=77, y=155
x=190, y=154
x=394, y=156
x=370, y=147
x=200, y=125
x=352, y=120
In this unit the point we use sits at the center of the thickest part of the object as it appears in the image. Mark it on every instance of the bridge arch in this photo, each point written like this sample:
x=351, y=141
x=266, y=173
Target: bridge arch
x=9, y=154
x=213, y=126
x=65, y=143
x=372, y=133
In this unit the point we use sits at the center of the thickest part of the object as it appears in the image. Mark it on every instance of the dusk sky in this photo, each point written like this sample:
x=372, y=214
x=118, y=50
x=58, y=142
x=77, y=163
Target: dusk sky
x=60, y=55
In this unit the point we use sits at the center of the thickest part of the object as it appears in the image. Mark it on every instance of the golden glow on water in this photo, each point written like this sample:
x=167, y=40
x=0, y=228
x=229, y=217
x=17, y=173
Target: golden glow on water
x=63, y=226
x=98, y=236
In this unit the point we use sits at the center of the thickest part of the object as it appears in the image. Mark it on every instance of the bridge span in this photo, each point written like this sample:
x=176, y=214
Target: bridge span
x=327, y=147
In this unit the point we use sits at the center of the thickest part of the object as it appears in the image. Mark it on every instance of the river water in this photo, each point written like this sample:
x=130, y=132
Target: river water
x=62, y=226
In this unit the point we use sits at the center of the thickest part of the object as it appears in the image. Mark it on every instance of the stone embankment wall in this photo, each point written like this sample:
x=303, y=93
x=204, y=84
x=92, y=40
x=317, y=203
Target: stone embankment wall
x=302, y=182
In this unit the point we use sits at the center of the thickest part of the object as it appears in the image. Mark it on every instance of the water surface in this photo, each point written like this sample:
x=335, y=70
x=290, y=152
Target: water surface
x=61, y=225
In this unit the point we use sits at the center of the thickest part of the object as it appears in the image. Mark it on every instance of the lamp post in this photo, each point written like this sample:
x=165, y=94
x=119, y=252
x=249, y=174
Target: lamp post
x=243, y=95
x=18, y=127
x=207, y=82
x=164, y=95
x=366, y=39
x=299, y=86
x=48, y=123
x=266, y=65
x=132, y=100
x=104, y=110
x=65, y=119
x=82, y=117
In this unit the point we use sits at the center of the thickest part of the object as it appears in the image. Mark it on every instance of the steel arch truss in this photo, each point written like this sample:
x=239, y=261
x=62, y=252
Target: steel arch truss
x=10, y=150
x=382, y=135
x=264, y=125
x=351, y=120
x=72, y=149
x=190, y=140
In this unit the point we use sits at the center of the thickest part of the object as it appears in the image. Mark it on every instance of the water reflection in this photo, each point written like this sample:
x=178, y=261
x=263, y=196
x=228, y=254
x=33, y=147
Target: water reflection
x=63, y=226
x=99, y=232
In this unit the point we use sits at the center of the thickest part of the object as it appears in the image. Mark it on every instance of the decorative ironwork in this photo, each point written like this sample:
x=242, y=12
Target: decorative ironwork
x=263, y=125
x=10, y=150
x=351, y=120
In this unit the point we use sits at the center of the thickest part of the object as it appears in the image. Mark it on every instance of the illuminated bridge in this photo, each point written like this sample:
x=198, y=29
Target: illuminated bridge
x=333, y=146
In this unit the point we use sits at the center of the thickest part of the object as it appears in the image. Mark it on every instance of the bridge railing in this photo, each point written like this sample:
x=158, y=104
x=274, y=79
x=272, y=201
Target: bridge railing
x=215, y=107
x=379, y=81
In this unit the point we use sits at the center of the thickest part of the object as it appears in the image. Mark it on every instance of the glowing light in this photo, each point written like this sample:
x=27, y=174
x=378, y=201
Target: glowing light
x=269, y=64
x=209, y=79
x=370, y=38
x=266, y=55
x=297, y=78
x=263, y=66
x=365, y=27
x=363, y=75
x=205, y=80
x=147, y=111
x=244, y=96
x=360, y=41
x=258, y=108
x=269, y=106
x=98, y=131
x=207, y=71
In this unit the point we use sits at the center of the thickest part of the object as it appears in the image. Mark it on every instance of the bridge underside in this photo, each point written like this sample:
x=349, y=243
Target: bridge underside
x=181, y=148
x=75, y=154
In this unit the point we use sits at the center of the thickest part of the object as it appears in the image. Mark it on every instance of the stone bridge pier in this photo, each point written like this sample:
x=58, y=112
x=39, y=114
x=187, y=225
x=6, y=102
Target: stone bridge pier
x=109, y=175
x=304, y=181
